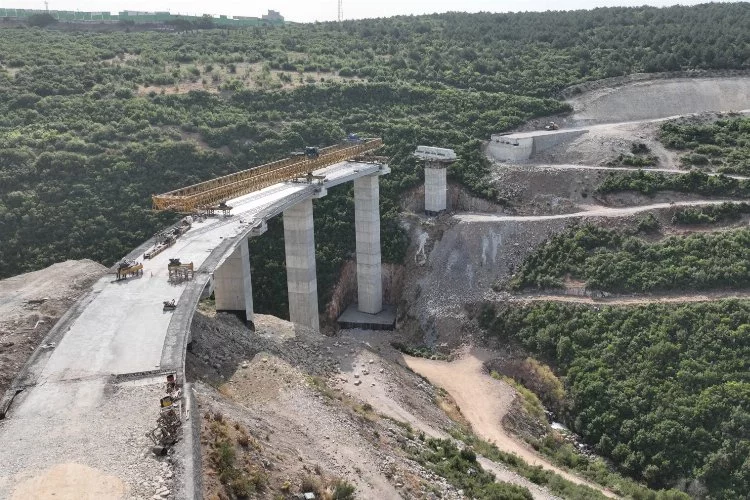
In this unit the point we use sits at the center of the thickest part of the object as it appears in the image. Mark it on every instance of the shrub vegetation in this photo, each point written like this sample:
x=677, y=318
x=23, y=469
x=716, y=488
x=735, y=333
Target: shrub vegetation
x=723, y=144
x=662, y=390
x=710, y=214
x=616, y=261
x=92, y=124
x=695, y=181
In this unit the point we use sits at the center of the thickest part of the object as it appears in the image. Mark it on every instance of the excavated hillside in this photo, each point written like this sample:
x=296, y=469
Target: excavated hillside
x=658, y=99
x=319, y=411
x=458, y=259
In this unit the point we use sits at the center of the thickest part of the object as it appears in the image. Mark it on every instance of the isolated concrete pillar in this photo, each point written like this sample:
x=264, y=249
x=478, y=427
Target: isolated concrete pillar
x=232, y=285
x=302, y=282
x=435, y=188
x=367, y=226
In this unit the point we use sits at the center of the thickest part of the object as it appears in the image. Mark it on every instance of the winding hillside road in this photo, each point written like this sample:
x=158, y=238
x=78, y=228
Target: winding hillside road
x=589, y=211
x=484, y=402
x=634, y=299
x=629, y=169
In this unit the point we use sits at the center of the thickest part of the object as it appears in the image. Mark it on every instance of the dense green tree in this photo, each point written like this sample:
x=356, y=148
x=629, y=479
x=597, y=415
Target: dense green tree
x=617, y=261
x=663, y=390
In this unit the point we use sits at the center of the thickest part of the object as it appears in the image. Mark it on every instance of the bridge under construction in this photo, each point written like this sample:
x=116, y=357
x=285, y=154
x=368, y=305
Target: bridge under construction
x=99, y=386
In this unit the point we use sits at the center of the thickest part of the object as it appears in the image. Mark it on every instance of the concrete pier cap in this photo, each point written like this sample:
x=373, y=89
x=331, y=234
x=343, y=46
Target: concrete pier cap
x=435, y=176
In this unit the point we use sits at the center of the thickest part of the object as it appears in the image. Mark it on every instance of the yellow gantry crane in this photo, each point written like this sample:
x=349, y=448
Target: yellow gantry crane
x=215, y=191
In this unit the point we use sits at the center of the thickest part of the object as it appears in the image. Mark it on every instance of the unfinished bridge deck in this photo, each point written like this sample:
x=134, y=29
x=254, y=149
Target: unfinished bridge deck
x=89, y=398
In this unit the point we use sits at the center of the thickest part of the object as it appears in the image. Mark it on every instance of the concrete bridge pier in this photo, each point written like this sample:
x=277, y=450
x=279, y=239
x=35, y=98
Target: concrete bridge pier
x=367, y=227
x=302, y=282
x=233, y=288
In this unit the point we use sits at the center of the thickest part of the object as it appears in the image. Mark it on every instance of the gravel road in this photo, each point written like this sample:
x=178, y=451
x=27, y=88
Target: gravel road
x=484, y=402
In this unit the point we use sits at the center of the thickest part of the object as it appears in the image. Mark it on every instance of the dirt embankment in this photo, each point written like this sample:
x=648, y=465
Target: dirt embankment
x=345, y=290
x=458, y=199
x=319, y=409
x=31, y=304
x=452, y=264
x=654, y=99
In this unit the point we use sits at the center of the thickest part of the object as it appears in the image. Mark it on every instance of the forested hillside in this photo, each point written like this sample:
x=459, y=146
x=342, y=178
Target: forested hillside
x=91, y=124
x=663, y=390
x=615, y=261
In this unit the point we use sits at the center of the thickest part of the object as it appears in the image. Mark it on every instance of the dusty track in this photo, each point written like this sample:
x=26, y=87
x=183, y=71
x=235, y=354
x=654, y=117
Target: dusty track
x=635, y=300
x=484, y=402
x=630, y=169
x=590, y=211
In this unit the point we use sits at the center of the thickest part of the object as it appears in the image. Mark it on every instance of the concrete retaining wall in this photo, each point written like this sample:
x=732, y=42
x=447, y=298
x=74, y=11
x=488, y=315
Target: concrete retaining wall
x=189, y=480
x=522, y=146
x=508, y=148
x=549, y=140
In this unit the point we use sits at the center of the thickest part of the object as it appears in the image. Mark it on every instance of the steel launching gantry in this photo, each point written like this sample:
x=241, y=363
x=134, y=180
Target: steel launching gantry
x=215, y=191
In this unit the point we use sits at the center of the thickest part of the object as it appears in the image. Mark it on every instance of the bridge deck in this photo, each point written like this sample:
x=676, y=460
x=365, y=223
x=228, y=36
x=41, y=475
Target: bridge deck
x=90, y=399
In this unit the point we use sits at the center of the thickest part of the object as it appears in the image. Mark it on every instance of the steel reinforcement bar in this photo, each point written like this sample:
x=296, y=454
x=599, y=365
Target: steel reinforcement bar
x=207, y=193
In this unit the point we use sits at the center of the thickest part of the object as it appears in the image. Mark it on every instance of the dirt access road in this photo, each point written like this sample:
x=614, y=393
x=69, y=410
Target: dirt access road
x=634, y=300
x=589, y=211
x=484, y=402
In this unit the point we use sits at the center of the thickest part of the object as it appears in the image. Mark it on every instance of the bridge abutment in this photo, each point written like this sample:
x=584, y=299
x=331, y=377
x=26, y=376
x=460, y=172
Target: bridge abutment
x=367, y=227
x=302, y=281
x=233, y=289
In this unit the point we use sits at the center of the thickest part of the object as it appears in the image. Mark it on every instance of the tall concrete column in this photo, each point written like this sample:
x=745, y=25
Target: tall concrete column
x=302, y=282
x=367, y=226
x=232, y=285
x=435, y=188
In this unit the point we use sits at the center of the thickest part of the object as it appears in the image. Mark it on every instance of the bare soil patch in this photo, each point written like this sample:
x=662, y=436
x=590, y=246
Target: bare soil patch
x=70, y=482
x=484, y=402
x=661, y=98
x=31, y=304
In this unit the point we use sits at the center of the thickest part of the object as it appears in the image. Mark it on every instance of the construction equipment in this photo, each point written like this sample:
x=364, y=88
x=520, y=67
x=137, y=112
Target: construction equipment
x=209, y=193
x=221, y=207
x=167, y=238
x=128, y=268
x=162, y=243
x=551, y=126
x=169, y=422
x=178, y=271
x=310, y=178
x=170, y=305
